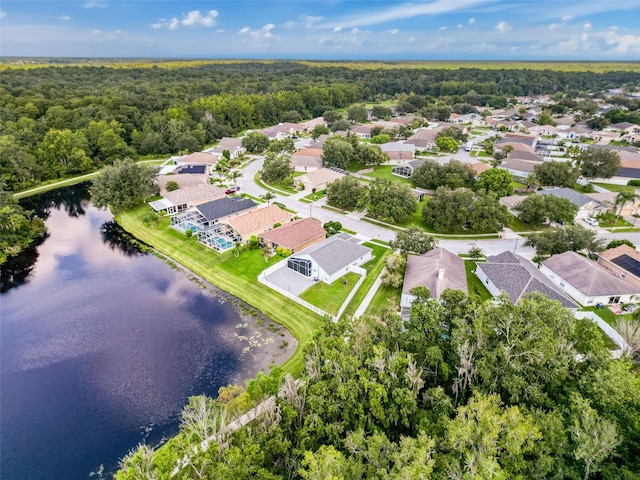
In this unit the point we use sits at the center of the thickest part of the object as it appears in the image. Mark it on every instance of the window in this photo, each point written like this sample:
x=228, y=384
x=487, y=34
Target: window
x=623, y=274
x=589, y=300
x=301, y=266
x=614, y=299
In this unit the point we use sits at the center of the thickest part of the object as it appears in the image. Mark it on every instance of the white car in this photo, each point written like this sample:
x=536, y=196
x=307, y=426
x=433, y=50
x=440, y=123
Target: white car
x=591, y=221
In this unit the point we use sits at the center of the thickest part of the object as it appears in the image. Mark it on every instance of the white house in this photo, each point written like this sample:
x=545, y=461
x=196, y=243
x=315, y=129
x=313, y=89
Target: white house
x=330, y=259
x=586, y=281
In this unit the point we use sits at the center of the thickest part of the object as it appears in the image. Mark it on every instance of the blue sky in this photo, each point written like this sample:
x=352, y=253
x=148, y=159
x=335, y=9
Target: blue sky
x=317, y=29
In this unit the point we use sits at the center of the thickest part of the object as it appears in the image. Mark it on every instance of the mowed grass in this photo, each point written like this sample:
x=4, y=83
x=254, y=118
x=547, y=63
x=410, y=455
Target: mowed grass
x=384, y=172
x=386, y=298
x=617, y=188
x=331, y=297
x=373, y=268
x=237, y=276
x=476, y=289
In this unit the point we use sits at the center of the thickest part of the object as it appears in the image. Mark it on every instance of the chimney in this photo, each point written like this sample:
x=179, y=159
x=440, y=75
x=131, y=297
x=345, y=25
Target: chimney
x=441, y=274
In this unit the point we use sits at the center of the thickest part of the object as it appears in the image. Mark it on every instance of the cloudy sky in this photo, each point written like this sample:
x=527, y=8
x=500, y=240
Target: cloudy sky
x=319, y=29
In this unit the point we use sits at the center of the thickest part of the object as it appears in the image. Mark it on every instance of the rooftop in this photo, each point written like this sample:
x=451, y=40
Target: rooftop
x=223, y=207
x=297, y=233
x=259, y=219
x=424, y=270
x=574, y=197
x=335, y=253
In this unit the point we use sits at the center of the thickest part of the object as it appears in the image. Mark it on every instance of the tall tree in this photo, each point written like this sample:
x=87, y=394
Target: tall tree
x=345, y=193
x=599, y=163
x=559, y=174
x=391, y=201
x=496, y=180
x=564, y=238
x=538, y=209
x=337, y=152
x=123, y=185
x=414, y=240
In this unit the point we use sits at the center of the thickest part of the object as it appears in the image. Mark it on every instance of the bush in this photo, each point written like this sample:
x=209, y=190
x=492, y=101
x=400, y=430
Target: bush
x=634, y=183
x=172, y=185
x=607, y=218
x=254, y=243
x=150, y=218
x=283, y=252
x=332, y=227
x=617, y=243
x=188, y=233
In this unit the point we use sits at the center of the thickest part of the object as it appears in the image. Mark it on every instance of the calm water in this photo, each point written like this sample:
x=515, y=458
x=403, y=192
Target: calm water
x=100, y=348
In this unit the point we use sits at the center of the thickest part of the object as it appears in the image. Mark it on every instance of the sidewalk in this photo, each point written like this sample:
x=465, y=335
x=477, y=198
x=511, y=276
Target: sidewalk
x=368, y=297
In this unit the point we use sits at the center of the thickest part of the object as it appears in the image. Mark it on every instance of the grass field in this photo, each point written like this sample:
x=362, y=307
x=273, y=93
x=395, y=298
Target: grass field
x=331, y=297
x=373, y=268
x=617, y=188
x=386, y=298
x=476, y=289
x=237, y=276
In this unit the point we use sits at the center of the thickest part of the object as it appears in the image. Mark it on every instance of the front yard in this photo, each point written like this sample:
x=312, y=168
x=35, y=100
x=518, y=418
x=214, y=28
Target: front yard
x=331, y=297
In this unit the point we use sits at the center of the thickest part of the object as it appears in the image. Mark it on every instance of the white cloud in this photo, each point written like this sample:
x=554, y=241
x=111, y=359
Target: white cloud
x=289, y=24
x=3, y=14
x=64, y=18
x=337, y=29
x=262, y=32
x=566, y=18
x=442, y=28
x=194, y=18
x=553, y=26
x=95, y=31
x=503, y=27
x=394, y=31
x=410, y=10
x=355, y=30
x=111, y=35
x=459, y=25
x=623, y=44
x=471, y=21
x=309, y=21
x=587, y=25
x=95, y=4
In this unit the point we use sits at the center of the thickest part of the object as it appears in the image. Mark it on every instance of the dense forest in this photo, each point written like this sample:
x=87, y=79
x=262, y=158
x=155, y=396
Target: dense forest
x=58, y=121
x=458, y=391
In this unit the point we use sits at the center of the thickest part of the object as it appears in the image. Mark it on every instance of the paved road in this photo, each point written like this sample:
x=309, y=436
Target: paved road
x=510, y=240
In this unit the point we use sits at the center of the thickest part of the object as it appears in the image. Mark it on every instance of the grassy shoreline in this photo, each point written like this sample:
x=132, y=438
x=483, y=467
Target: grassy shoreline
x=236, y=276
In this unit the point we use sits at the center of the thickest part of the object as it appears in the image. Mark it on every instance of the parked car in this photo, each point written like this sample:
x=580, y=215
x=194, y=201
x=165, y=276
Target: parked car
x=591, y=221
x=231, y=190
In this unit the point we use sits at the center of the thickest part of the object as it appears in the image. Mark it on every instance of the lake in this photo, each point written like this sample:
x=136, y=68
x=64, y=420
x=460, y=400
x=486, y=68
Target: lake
x=101, y=346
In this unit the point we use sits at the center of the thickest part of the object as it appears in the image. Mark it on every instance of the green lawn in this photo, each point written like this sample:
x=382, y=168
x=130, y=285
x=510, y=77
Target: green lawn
x=517, y=185
x=476, y=289
x=373, y=268
x=620, y=223
x=237, y=276
x=386, y=298
x=331, y=297
x=273, y=188
x=518, y=225
x=606, y=314
x=312, y=197
x=384, y=172
x=617, y=188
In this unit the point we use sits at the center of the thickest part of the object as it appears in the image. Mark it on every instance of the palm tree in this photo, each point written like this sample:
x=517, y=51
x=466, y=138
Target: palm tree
x=268, y=197
x=622, y=199
x=235, y=175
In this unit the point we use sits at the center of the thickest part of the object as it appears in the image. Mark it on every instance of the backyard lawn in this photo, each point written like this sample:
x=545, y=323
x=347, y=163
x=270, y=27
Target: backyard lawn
x=476, y=289
x=386, y=298
x=235, y=275
x=617, y=188
x=384, y=172
x=331, y=297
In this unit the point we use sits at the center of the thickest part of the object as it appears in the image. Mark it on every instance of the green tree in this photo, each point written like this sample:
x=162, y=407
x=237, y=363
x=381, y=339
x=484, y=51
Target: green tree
x=599, y=163
x=539, y=209
x=123, y=185
x=345, y=193
x=414, y=240
x=268, y=196
x=496, y=180
x=276, y=167
x=337, y=152
x=565, y=238
x=559, y=174
x=380, y=111
x=369, y=154
x=622, y=199
x=393, y=273
x=453, y=174
x=391, y=201
x=617, y=243
x=357, y=114
x=172, y=185
x=318, y=130
x=255, y=142
x=447, y=144
x=380, y=139
x=332, y=227
x=453, y=132
x=286, y=145
x=19, y=228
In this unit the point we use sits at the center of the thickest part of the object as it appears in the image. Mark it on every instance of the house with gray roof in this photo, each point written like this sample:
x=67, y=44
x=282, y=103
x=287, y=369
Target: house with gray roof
x=587, y=207
x=207, y=214
x=330, y=259
x=438, y=270
x=406, y=169
x=516, y=276
x=587, y=282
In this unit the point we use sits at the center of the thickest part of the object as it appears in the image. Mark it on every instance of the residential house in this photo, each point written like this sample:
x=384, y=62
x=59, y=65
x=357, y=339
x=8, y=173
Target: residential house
x=438, y=270
x=608, y=200
x=479, y=167
x=587, y=282
x=423, y=138
x=406, y=169
x=282, y=130
x=294, y=236
x=184, y=178
x=330, y=259
x=587, y=207
x=187, y=197
x=521, y=163
x=399, y=151
x=307, y=159
x=207, y=214
x=622, y=261
x=233, y=145
x=199, y=158
x=516, y=276
x=239, y=229
x=311, y=124
x=317, y=179
x=362, y=131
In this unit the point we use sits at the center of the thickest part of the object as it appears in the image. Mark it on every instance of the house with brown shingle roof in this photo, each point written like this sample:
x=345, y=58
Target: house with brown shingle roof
x=438, y=270
x=318, y=179
x=307, y=159
x=257, y=221
x=586, y=281
x=200, y=158
x=622, y=261
x=187, y=197
x=294, y=236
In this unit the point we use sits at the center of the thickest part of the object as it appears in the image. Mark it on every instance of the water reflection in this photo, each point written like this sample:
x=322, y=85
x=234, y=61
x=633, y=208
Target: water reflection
x=116, y=238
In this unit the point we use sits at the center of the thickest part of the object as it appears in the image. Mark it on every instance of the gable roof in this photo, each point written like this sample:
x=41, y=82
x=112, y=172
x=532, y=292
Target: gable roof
x=199, y=157
x=587, y=276
x=335, y=253
x=262, y=218
x=184, y=180
x=296, y=233
x=423, y=270
x=224, y=206
x=574, y=197
x=624, y=257
x=194, y=193
x=517, y=276
x=320, y=176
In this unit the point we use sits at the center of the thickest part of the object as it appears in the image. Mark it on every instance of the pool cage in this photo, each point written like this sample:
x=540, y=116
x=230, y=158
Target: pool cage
x=220, y=237
x=192, y=220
